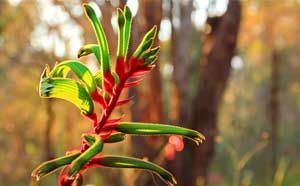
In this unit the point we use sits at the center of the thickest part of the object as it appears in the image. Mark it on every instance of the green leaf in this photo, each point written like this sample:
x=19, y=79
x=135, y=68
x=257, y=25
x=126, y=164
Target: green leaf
x=89, y=49
x=158, y=129
x=121, y=39
x=128, y=162
x=128, y=21
x=93, y=150
x=69, y=90
x=104, y=51
x=48, y=167
x=114, y=138
x=81, y=71
x=146, y=43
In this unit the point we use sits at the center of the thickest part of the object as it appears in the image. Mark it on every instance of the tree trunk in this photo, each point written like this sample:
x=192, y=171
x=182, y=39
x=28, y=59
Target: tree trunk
x=152, y=13
x=215, y=68
x=274, y=106
x=49, y=153
x=181, y=59
x=147, y=103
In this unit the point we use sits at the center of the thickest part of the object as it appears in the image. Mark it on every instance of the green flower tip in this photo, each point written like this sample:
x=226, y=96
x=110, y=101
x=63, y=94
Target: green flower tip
x=121, y=18
x=151, y=33
x=48, y=167
x=128, y=14
x=89, y=138
x=84, y=51
x=117, y=137
x=45, y=72
x=88, y=10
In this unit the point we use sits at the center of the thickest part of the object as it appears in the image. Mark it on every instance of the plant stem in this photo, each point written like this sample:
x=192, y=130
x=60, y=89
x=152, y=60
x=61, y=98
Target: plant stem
x=112, y=103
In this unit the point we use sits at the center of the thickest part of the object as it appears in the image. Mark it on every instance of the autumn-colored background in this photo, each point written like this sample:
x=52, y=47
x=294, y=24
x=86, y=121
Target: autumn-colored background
x=228, y=68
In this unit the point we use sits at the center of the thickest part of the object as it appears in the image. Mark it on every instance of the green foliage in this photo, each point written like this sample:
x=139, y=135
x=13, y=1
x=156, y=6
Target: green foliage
x=82, y=72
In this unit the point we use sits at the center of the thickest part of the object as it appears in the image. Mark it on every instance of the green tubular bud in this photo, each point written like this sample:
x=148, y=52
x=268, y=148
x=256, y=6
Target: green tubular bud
x=114, y=138
x=151, y=33
x=128, y=21
x=104, y=50
x=79, y=69
x=93, y=150
x=159, y=129
x=127, y=13
x=151, y=60
x=152, y=52
x=49, y=167
x=121, y=39
x=146, y=43
x=128, y=162
x=89, y=49
x=69, y=90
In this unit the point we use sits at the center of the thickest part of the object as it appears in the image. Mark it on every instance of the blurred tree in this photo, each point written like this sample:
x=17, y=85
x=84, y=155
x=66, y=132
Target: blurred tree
x=274, y=57
x=181, y=43
x=218, y=50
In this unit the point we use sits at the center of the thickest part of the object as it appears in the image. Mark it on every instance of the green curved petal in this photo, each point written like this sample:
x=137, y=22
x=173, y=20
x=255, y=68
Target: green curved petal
x=121, y=39
x=69, y=90
x=127, y=29
x=89, y=49
x=104, y=50
x=146, y=43
x=128, y=162
x=48, y=167
x=81, y=71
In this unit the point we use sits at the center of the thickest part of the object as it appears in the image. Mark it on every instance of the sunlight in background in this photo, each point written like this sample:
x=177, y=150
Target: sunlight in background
x=133, y=5
x=14, y=2
x=237, y=63
x=198, y=16
x=114, y=22
x=165, y=30
x=96, y=8
x=57, y=31
x=203, y=9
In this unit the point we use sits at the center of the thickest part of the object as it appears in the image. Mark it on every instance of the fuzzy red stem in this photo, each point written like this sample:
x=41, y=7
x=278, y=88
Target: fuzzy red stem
x=112, y=103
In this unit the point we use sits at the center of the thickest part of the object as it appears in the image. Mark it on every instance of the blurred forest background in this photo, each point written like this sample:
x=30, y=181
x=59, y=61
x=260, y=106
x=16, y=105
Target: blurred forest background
x=228, y=68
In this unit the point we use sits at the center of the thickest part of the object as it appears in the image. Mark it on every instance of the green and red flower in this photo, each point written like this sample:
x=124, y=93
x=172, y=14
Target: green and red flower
x=104, y=88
